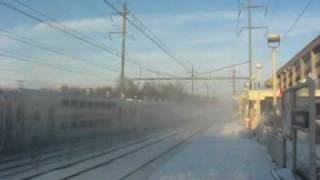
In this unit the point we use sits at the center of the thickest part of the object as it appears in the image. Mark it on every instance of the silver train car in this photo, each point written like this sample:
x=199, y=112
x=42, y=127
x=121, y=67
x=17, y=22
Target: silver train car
x=29, y=118
x=2, y=121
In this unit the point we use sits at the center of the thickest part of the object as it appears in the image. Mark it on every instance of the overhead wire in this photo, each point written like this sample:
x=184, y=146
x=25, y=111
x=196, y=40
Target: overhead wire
x=297, y=19
x=31, y=42
x=60, y=28
x=151, y=38
x=134, y=62
x=131, y=60
x=64, y=26
x=57, y=27
x=292, y=26
x=223, y=68
x=159, y=45
x=4, y=53
x=154, y=36
x=71, y=32
x=28, y=41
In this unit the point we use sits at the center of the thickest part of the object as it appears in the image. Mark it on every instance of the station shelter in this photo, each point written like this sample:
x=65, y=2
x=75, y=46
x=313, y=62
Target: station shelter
x=253, y=105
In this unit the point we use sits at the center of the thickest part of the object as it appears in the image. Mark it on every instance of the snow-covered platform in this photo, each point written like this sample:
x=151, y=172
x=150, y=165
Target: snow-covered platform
x=225, y=151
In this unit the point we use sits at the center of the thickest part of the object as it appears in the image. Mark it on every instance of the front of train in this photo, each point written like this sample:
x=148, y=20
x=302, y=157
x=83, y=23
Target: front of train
x=2, y=121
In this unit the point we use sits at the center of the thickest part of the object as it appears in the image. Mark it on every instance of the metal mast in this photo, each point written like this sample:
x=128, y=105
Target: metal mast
x=250, y=43
x=248, y=7
x=234, y=81
x=123, y=53
x=192, y=80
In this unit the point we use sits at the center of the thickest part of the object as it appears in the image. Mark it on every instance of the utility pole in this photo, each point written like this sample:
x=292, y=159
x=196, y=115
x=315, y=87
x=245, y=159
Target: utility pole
x=140, y=74
x=250, y=43
x=124, y=13
x=234, y=81
x=258, y=67
x=248, y=7
x=20, y=84
x=234, y=88
x=207, y=88
x=140, y=71
x=123, y=53
x=192, y=80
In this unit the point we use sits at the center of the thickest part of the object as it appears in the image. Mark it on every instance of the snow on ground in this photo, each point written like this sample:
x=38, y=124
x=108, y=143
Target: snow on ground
x=224, y=152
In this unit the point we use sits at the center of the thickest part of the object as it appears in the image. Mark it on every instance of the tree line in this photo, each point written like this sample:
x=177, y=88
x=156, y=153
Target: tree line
x=143, y=91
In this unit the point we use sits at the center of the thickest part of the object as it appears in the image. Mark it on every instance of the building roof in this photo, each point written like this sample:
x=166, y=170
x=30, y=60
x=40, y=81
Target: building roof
x=315, y=43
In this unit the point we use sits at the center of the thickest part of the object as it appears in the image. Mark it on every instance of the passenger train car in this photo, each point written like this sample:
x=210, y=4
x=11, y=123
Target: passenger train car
x=30, y=118
x=2, y=121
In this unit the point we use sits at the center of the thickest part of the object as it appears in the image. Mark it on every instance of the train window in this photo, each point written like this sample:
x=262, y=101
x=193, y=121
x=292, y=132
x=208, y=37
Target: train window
x=317, y=109
x=87, y=123
x=79, y=124
x=90, y=104
x=74, y=103
x=108, y=121
x=36, y=116
x=105, y=105
x=64, y=125
x=82, y=104
x=19, y=114
x=101, y=104
x=65, y=102
x=112, y=105
x=74, y=124
x=82, y=124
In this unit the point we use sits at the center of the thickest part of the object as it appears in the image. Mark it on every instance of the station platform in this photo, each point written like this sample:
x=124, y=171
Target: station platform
x=225, y=151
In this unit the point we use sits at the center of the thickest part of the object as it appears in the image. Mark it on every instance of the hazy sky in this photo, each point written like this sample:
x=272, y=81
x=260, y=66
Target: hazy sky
x=200, y=32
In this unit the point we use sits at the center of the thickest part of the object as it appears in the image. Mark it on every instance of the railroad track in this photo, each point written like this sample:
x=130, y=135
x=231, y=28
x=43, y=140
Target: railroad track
x=44, y=156
x=108, y=165
x=159, y=156
x=85, y=159
x=62, y=147
x=109, y=161
x=25, y=168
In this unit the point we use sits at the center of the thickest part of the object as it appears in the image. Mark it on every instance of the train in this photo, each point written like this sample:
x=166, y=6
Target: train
x=33, y=117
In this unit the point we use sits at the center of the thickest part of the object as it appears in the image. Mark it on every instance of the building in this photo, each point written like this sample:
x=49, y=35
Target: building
x=307, y=61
